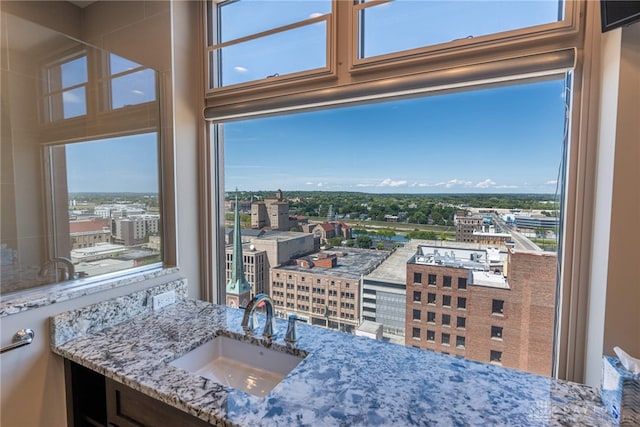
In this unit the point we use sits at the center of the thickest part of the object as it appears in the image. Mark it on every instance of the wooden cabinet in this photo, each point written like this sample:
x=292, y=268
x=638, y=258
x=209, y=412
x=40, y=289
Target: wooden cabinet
x=96, y=401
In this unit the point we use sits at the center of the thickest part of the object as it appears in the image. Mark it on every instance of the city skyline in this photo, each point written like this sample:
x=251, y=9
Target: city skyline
x=500, y=140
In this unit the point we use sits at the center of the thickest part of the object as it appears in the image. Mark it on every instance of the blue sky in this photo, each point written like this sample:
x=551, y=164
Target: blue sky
x=499, y=140
x=124, y=164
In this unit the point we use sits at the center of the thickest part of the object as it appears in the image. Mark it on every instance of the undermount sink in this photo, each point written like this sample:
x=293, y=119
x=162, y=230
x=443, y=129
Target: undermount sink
x=242, y=365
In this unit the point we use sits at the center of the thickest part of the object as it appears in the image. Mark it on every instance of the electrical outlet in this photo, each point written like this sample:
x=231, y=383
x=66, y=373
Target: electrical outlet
x=164, y=299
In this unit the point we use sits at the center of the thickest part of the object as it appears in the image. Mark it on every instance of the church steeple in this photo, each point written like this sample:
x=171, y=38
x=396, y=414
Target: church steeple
x=238, y=285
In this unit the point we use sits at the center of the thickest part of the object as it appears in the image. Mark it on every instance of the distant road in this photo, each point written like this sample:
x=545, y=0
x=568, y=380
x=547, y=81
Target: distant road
x=522, y=242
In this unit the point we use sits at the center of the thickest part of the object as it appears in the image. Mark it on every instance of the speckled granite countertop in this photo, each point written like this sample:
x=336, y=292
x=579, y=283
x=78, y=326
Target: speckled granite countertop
x=344, y=381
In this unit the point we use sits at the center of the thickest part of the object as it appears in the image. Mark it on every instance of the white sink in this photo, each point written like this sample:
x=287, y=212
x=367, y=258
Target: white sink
x=238, y=364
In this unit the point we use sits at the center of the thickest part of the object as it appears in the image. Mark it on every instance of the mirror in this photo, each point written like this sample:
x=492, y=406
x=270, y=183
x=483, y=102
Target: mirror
x=79, y=171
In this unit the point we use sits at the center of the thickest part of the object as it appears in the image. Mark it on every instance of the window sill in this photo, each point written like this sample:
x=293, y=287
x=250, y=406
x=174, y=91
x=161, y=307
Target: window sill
x=30, y=299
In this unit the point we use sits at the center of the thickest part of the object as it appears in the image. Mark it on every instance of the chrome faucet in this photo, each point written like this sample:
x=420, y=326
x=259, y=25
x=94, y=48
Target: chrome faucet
x=292, y=335
x=247, y=319
x=62, y=274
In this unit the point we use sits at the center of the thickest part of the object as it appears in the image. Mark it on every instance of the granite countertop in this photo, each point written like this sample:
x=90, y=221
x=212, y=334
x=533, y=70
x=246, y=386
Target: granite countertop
x=345, y=380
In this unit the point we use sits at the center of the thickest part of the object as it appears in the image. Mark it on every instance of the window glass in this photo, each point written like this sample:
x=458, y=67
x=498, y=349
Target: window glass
x=493, y=154
x=113, y=200
x=134, y=88
x=243, y=18
x=118, y=64
x=74, y=72
x=407, y=24
x=299, y=49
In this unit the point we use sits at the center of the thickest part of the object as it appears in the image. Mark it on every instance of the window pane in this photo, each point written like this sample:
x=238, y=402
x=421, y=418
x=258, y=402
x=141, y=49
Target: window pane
x=408, y=24
x=113, y=199
x=74, y=103
x=300, y=49
x=429, y=160
x=74, y=72
x=134, y=88
x=243, y=18
x=118, y=64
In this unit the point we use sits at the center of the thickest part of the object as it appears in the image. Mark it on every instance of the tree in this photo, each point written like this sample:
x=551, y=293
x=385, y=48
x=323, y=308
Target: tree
x=364, y=242
x=350, y=243
x=335, y=241
x=380, y=246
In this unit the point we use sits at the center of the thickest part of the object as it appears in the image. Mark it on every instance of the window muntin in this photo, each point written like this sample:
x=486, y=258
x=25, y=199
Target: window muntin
x=448, y=21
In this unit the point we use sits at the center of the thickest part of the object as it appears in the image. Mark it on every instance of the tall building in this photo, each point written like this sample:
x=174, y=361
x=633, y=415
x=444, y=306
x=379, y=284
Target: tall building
x=489, y=306
x=272, y=213
x=134, y=230
x=466, y=226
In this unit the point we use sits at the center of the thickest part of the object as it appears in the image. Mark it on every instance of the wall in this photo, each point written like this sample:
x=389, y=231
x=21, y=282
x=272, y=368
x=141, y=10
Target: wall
x=149, y=32
x=614, y=292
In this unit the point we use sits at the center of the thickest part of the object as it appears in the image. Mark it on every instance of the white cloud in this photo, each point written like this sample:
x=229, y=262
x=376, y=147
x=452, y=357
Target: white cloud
x=309, y=183
x=486, y=183
x=315, y=15
x=319, y=184
x=72, y=98
x=390, y=183
x=551, y=182
x=240, y=69
x=137, y=92
x=506, y=186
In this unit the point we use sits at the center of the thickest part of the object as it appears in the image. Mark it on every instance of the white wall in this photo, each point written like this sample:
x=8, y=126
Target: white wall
x=31, y=377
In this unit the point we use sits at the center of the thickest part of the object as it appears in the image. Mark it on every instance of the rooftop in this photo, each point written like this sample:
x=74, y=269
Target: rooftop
x=352, y=263
x=489, y=279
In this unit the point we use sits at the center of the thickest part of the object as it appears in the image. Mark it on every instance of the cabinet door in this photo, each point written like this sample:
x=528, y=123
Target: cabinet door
x=130, y=408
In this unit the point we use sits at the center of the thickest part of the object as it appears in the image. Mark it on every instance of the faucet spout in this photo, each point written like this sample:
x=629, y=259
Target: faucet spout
x=67, y=272
x=247, y=320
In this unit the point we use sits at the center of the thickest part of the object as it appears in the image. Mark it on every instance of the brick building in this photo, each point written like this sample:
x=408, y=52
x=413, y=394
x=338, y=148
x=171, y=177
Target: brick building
x=494, y=308
x=466, y=225
x=324, y=288
x=273, y=213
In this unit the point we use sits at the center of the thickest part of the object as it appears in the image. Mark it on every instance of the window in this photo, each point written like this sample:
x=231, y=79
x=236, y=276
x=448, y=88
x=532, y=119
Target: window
x=462, y=303
x=495, y=357
x=431, y=298
x=415, y=333
x=446, y=319
x=431, y=317
x=497, y=306
x=461, y=322
x=269, y=122
x=417, y=296
x=432, y=279
x=65, y=88
x=130, y=83
x=496, y=332
x=445, y=339
x=446, y=300
x=288, y=39
x=431, y=336
x=446, y=281
x=405, y=18
x=416, y=314
x=417, y=278
x=460, y=341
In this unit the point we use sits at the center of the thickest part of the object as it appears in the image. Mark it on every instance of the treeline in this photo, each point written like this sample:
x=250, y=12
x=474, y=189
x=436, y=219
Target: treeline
x=437, y=209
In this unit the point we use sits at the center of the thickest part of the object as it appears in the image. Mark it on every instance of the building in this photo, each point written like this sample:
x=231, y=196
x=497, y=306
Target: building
x=532, y=222
x=272, y=213
x=255, y=264
x=135, y=230
x=488, y=236
x=466, y=226
x=489, y=306
x=324, y=288
x=87, y=233
x=238, y=291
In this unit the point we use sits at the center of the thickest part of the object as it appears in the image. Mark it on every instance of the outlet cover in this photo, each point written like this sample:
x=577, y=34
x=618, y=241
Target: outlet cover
x=164, y=299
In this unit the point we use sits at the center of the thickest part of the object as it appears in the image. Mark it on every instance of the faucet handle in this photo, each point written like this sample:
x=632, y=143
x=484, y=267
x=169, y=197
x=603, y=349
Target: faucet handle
x=291, y=336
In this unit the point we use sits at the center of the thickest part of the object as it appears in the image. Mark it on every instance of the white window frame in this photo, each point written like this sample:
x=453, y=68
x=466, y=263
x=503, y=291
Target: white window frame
x=525, y=55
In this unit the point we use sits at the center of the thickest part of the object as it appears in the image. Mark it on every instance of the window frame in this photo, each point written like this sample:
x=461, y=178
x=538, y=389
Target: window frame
x=526, y=56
